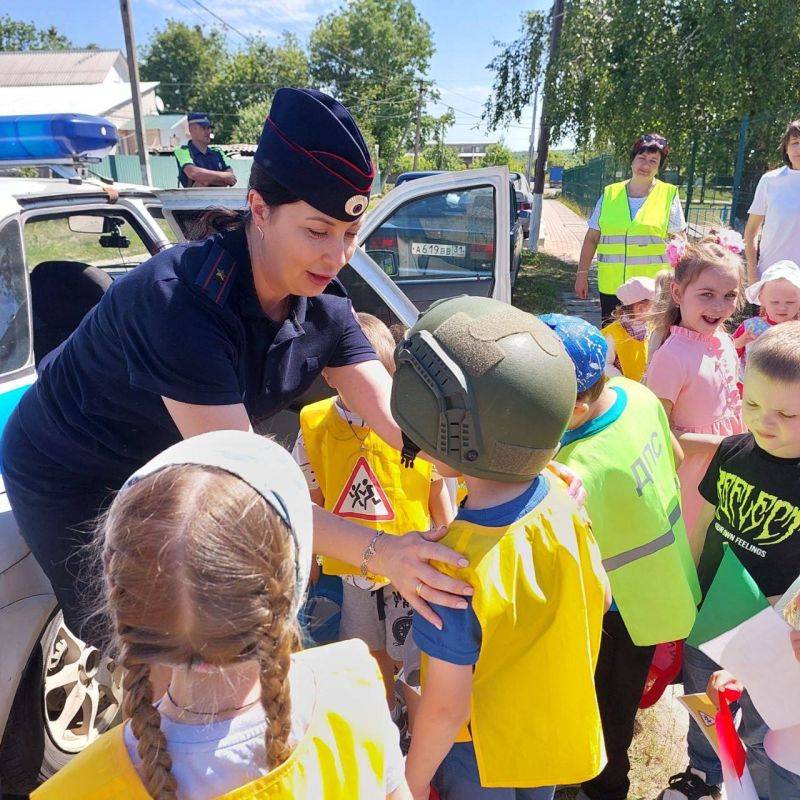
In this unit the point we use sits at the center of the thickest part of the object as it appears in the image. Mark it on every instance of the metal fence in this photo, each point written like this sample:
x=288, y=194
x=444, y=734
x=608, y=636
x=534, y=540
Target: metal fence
x=164, y=170
x=716, y=178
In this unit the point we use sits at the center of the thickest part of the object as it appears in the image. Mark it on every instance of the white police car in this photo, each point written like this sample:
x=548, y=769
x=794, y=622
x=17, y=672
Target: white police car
x=56, y=694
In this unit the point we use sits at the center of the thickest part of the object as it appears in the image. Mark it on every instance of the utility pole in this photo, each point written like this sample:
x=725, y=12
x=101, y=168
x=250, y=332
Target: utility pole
x=533, y=129
x=556, y=20
x=136, y=97
x=441, y=144
x=420, y=92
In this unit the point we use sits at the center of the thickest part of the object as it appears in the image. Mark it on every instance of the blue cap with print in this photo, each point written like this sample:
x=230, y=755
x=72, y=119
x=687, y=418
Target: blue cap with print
x=585, y=345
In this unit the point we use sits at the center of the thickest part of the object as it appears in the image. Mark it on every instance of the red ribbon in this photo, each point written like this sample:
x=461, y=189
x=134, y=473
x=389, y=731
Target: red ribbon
x=731, y=749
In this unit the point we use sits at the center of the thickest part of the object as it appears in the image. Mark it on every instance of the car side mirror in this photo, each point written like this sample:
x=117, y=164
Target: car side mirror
x=387, y=260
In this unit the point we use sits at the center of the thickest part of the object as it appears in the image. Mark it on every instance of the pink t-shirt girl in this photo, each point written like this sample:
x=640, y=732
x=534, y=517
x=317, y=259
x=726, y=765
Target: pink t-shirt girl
x=697, y=373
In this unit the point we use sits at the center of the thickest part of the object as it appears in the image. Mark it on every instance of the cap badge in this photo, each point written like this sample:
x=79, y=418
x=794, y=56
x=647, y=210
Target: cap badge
x=356, y=205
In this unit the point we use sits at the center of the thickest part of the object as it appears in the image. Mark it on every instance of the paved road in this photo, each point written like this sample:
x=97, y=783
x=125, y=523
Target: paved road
x=563, y=236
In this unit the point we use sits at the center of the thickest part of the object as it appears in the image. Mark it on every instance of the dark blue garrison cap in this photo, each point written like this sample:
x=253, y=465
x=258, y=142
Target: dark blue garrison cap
x=311, y=145
x=199, y=118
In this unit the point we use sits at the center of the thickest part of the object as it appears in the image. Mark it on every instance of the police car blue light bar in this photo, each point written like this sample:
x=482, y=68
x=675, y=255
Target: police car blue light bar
x=55, y=139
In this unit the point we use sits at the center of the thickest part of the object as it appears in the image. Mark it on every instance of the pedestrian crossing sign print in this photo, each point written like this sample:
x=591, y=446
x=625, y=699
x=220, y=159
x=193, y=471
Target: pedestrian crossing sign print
x=363, y=497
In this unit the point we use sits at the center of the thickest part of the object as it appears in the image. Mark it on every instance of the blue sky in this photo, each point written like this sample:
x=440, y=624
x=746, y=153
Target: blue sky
x=463, y=31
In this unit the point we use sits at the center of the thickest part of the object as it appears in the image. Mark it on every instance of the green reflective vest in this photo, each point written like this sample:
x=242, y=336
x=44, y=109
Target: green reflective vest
x=625, y=460
x=632, y=247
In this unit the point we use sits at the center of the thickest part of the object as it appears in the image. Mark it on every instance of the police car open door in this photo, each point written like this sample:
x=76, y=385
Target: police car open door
x=441, y=236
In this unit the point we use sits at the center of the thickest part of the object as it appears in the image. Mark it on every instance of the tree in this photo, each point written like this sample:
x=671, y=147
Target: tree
x=248, y=80
x=687, y=68
x=498, y=155
x=18, y=35
x=369, y=54
x=517, y=70
x=438, y=153
x=183, y=60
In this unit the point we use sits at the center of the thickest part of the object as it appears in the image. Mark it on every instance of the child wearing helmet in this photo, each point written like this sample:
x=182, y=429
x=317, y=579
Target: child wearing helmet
x=488, y=390
x=619, y=442
x=206, y=553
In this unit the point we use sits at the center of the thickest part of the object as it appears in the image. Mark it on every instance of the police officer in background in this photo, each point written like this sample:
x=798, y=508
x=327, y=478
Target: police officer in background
x=199, y=164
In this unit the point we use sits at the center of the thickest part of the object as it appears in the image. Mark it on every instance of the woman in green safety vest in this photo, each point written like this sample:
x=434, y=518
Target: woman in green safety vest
x=630, y=224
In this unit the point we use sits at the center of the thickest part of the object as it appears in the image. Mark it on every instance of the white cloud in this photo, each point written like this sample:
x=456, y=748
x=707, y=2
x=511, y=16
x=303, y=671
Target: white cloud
x=252, y=17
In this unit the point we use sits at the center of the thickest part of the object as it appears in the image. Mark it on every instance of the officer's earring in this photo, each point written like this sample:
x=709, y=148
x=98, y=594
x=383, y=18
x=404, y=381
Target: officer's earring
x=260, y=233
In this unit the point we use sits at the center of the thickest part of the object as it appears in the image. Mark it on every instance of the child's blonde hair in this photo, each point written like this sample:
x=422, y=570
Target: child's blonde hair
x=696, y=259
x=198, y=568
x=776, y=353
x=380, y=337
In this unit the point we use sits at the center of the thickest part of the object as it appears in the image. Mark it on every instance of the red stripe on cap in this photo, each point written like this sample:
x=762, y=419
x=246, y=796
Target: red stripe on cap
x=308, y=154
x=370, y=174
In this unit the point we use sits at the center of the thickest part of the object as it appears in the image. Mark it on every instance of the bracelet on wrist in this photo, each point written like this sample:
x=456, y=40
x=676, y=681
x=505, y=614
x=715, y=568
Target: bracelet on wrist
x=369, y=552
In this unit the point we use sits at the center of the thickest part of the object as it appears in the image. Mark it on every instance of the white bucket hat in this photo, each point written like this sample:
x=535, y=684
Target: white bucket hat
x=780, y=269
x=634, y=290
x=267, y=468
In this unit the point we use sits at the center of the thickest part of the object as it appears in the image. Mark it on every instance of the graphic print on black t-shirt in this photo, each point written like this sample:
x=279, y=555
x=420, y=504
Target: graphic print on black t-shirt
x=757, y=499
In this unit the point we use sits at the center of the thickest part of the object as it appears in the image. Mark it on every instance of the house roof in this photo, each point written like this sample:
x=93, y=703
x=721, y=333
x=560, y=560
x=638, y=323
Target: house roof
x=98, y=99
x=60, y=67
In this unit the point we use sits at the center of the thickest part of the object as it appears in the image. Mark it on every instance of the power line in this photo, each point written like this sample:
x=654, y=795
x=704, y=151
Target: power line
x=226, y=24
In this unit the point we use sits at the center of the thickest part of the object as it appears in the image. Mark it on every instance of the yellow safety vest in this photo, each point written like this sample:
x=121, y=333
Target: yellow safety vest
x=539, y=599
x=341, y=757
x=632, y=247
x=393, y=499
x=631, y=352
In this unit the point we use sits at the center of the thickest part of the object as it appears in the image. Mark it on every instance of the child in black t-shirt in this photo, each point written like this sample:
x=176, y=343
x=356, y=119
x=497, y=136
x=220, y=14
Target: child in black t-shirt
x=751, y=495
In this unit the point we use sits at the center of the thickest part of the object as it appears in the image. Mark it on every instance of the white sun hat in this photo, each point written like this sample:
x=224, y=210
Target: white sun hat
x=634, y=290
x=780, y=269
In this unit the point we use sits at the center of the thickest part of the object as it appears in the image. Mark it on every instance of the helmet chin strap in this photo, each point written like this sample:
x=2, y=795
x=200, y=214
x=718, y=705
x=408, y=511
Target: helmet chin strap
x=409, y=452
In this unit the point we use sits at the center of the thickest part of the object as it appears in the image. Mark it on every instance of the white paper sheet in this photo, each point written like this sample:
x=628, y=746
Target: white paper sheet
x=783, y=747
x=758, y=652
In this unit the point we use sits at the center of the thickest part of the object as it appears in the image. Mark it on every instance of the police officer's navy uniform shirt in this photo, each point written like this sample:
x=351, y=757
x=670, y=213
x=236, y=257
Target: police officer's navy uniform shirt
x=213, y=159
x=186, y=325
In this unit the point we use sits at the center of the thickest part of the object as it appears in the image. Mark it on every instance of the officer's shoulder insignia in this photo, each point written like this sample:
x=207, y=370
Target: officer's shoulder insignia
x=215, y=277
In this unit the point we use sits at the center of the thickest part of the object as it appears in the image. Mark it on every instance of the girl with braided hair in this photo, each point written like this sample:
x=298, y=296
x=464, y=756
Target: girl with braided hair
x=206, y=553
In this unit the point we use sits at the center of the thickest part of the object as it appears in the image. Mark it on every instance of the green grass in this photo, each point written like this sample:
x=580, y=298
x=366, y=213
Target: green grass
x=541, y=282
x=52, y=240
x=571, y=205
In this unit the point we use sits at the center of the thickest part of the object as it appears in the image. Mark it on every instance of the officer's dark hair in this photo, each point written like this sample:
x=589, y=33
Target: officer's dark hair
x=218, y=220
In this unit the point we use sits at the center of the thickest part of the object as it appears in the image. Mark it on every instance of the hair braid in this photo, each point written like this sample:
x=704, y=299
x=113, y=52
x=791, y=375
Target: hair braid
x=151, y=744
x=279, y=638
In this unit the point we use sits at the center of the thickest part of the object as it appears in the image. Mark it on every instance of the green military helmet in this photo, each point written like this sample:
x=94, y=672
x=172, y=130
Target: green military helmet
x=483, y=387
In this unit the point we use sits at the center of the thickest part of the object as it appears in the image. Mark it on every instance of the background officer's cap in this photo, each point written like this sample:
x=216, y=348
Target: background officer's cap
x=200, y=118
x=311, y=145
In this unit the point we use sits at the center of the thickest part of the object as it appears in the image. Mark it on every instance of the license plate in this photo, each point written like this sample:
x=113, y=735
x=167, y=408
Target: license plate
x=433, y=249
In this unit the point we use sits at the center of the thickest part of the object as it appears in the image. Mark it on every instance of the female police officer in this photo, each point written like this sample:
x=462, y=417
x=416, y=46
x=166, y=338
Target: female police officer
x=207, y=335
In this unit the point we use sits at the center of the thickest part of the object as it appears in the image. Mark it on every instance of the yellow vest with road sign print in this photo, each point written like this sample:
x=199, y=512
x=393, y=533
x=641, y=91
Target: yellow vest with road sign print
x=341, y=756
x=632, y=247
x=539, y=599
x=626, y=463
x=631, y=352
x=362, y=477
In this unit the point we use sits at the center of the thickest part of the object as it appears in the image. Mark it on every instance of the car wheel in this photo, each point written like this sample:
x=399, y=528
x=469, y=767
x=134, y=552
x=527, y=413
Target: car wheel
x=68, y=695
